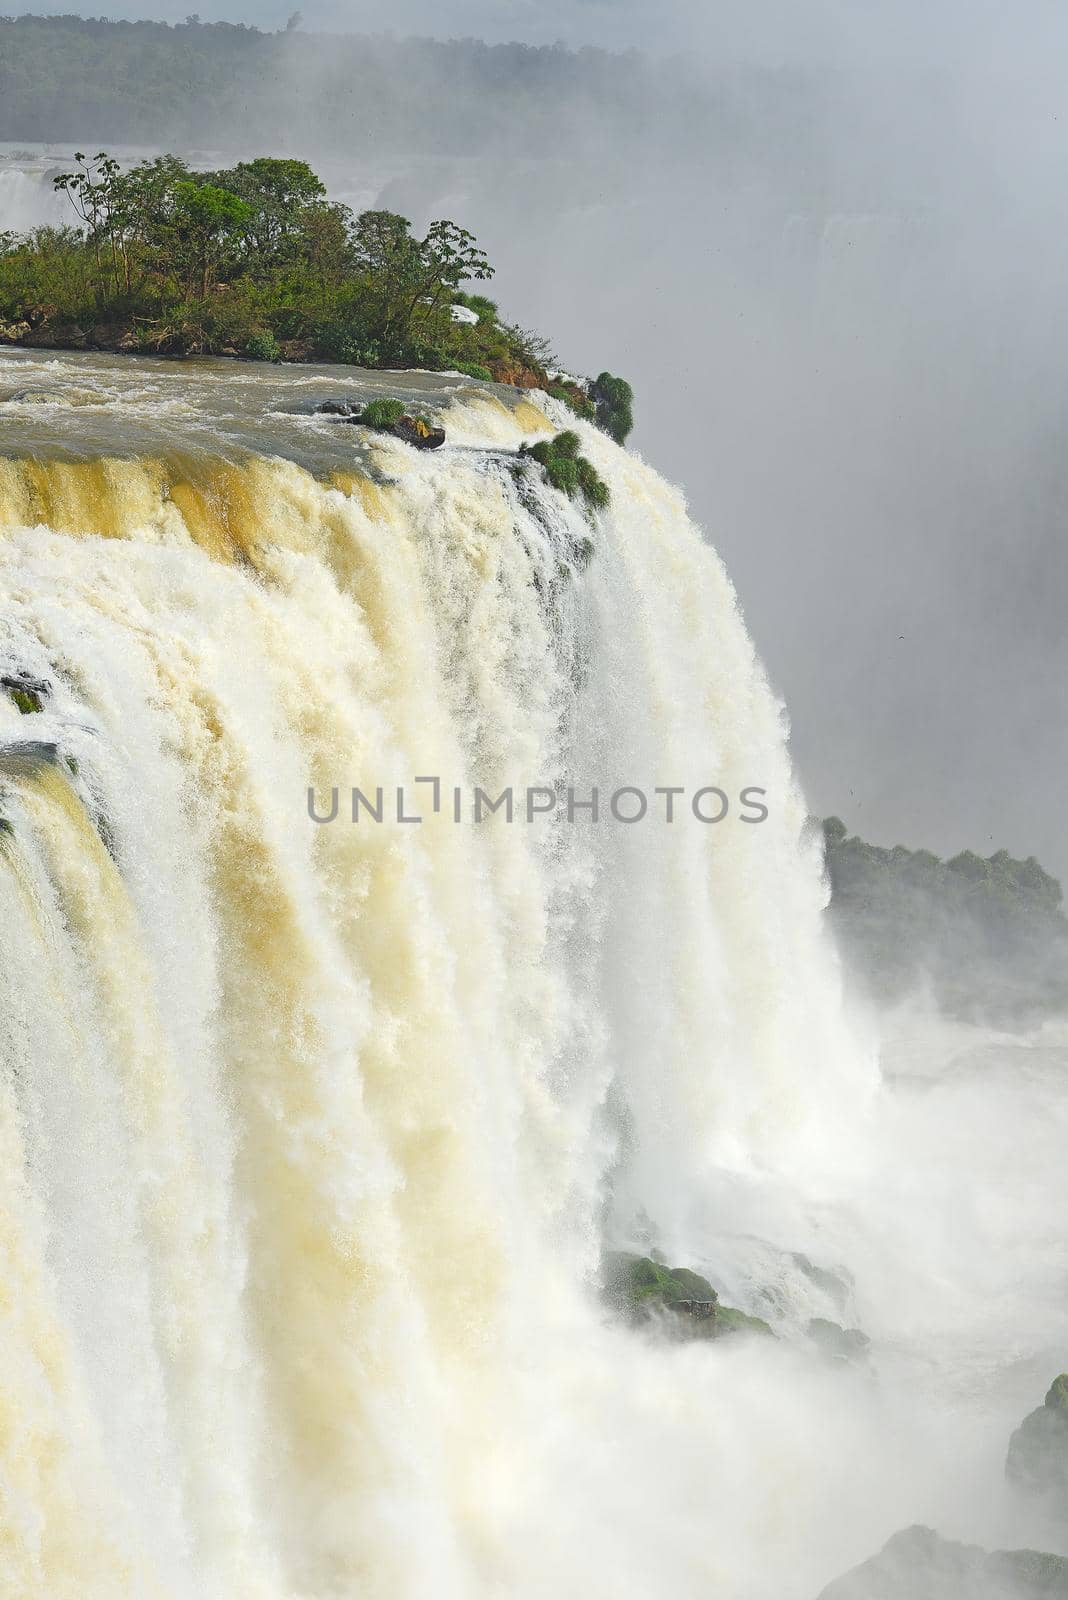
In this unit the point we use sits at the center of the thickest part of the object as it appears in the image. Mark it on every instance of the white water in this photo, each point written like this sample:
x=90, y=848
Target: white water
x=312, y=1134
x=27, y=198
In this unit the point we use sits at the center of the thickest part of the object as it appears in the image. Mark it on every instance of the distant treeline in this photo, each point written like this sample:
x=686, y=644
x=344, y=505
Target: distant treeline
x=220, y=85
x=986, y=936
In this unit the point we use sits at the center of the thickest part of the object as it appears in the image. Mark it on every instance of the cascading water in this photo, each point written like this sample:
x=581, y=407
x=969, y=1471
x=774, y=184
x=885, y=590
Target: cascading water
x=313, y=1132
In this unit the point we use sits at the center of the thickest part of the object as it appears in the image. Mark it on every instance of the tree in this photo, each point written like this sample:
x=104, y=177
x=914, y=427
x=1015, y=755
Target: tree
x=207, y=227
x=412, y=277
x=93, y=190
x=279, y=195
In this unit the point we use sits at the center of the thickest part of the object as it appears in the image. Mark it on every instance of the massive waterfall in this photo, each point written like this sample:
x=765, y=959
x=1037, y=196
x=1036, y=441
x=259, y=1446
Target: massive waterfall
x=313, y=1132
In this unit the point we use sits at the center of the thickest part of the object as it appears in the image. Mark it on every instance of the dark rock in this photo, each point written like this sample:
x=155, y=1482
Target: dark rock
x=57, y=336
x=917, y=1564
x=29, y=694
x=414, y=431
x=1037, y=1462
x=836, y=1342
x=337, y=408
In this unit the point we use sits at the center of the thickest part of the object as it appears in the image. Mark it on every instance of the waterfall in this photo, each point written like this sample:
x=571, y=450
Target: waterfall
x=313, y=1132
x=27, y=199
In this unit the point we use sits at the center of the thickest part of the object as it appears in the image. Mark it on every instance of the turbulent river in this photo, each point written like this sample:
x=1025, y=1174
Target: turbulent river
x=313, y=1134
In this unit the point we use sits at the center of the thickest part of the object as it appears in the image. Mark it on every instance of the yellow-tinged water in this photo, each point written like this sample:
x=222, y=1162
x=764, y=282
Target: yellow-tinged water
x=311, y=1133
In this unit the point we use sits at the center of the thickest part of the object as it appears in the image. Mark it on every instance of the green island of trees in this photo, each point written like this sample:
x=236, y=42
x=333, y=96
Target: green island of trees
x=255, y=260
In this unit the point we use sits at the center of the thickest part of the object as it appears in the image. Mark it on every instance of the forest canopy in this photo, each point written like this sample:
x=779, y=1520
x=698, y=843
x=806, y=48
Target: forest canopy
x=228, y=86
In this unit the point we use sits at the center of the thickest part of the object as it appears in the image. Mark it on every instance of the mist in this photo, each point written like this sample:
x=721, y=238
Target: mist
x=827, y=245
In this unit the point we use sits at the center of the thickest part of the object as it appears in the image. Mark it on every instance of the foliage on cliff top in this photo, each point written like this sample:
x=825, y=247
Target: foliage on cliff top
x=253, y=260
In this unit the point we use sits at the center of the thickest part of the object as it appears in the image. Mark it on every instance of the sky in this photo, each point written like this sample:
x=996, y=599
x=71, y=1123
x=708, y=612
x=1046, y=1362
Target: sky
x=843, y=304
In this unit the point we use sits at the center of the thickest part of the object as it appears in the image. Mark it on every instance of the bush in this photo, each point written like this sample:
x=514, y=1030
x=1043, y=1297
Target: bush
x=382, y=414
x=472, y=369
x=263, y=347
x=573, y=397
x=614, y=402
x=569, y=471
x=592, y=484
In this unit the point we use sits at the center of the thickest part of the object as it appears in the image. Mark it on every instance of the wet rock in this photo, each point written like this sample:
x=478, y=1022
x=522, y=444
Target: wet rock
x=29, y=397
x=337, y=408
x=14, y=332
x=1037, y=1462
x=29, y=694
x=918, y=1564
x=385, y=415
x=838, y=1343
x=680, y=1303
x=414, y=431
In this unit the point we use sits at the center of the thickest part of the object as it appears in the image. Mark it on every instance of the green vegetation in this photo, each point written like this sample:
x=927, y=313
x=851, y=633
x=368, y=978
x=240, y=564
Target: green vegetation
x=986, y=934
x=382, y=413
x=25, y=693
x=253, y=260
x=641, y=1290
x=576, y=398
x=613, y=399
x=569, y=471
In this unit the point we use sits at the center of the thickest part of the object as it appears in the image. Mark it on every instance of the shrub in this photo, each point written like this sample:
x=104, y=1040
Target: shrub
x=614, y=402
x=573, y=397
x=592, y=484
x=263, y=347
x=382, y=413
x=569, y=471
x=472, y=369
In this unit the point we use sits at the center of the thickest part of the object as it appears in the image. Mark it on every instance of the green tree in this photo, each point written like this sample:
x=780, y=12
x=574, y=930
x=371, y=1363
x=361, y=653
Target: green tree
x=206, y=230
x=279, y=194
x=412, y=278
x=93, y=189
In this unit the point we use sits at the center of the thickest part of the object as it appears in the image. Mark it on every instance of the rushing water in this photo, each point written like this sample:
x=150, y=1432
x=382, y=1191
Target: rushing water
x=313, y=1134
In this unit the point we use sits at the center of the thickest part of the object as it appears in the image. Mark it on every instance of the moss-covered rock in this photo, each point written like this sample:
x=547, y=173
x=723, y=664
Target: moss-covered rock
x=684, y=1304
x=28, y=694
x=1037, y=1462
x=918, y=1564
